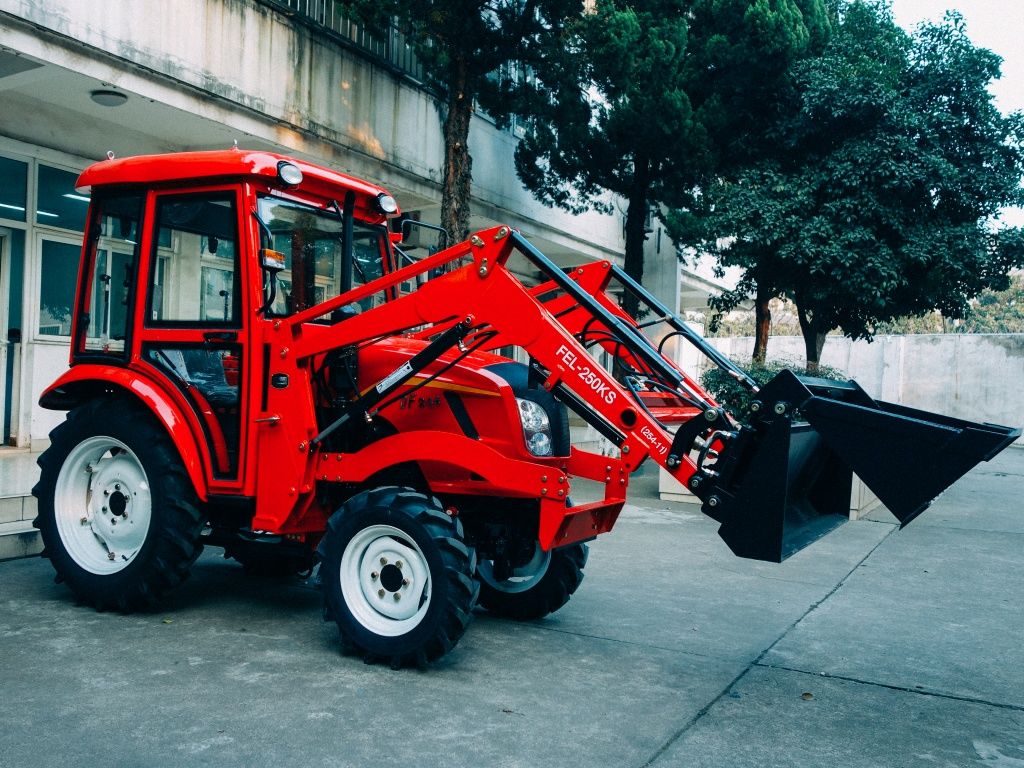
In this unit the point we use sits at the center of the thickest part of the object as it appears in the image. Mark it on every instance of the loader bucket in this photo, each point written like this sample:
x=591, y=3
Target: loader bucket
x=784, y=481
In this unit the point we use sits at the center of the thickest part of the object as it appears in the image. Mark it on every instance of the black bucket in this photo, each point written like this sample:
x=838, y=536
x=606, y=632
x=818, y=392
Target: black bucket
x=784, y=481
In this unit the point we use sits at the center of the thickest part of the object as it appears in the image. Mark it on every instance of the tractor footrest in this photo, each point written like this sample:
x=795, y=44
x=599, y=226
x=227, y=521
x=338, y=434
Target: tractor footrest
x=562, y=525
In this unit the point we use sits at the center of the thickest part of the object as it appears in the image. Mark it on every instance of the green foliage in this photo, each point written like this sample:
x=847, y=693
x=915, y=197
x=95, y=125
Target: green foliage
x=890, y=164
x=736, y=398
x=461, y=44
x=618, y=109
x=646, y=99
x=998, y=311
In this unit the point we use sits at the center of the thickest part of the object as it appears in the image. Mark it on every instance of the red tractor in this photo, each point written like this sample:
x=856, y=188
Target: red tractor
x=257, y=365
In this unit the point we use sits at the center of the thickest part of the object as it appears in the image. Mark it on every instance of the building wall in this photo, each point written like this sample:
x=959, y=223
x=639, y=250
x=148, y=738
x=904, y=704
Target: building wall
x=201, y=74
x=968, y=376
x=264, y=78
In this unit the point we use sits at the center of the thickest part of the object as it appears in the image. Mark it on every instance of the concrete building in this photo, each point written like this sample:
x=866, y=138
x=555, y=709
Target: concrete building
x=80, y=78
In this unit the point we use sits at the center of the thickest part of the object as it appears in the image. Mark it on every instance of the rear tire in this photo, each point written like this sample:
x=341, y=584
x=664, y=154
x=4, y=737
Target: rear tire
x=117, y=513
x=536, y=588
x=397, y=577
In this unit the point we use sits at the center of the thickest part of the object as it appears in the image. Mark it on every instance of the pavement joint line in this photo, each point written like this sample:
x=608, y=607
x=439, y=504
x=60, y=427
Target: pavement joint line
x=970, y=530
x=757, y=662
x=900, y=688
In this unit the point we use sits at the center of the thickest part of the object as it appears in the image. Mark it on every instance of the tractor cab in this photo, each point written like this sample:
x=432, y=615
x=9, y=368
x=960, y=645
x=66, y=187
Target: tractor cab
x=187, y=256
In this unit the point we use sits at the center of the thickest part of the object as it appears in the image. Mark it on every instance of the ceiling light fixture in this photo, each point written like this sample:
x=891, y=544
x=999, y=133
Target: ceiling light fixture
x=107, y=98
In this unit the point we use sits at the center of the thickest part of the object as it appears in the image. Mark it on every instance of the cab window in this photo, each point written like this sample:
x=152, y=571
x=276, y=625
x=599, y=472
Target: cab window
x=195, y=277
x=310, y=240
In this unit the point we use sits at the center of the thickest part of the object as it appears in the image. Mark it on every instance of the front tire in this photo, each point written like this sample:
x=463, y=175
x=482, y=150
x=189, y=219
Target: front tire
x=535, y=588
x=397, y=577
x=117, y=513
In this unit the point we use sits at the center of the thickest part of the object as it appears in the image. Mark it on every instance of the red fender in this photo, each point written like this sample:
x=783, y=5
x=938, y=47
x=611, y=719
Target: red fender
x=86, y=381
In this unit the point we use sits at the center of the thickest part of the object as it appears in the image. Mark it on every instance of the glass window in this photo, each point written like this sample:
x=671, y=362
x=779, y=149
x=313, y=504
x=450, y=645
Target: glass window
x=310, y=241
x=195, y=274
x=108, y=294
x=13, y=189
x=58, y=205
x=57, y=289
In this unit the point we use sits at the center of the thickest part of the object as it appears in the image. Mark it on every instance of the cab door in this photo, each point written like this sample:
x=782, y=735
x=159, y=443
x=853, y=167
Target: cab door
x=193, y=333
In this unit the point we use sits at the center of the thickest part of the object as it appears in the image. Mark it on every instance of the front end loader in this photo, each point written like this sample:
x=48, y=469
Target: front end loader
x=281, y=380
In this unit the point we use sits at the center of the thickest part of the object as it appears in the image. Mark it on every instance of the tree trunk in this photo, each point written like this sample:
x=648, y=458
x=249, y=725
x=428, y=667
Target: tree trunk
x=814, y=338
x=762, y=325
x=458, y=165
x=636, y=220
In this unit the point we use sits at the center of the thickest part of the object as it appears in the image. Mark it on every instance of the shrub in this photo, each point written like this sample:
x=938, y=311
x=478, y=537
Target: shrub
x=736, y=398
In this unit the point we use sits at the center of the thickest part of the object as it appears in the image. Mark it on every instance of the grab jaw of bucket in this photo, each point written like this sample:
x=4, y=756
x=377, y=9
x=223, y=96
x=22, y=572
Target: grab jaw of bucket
x=784, y=480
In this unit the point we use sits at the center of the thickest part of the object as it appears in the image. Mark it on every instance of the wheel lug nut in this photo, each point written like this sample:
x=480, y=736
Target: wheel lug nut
x=111, y=555
x=374, y=575
x=380, y=593
x=405, y=582
x=398, y=564
x=106, y=492
x=397, y=597
x=117, y=486
x=383, y=561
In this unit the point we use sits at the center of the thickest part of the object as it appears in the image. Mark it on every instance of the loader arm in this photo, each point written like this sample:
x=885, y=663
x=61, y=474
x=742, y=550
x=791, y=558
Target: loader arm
x=492, y=304
x=775, y=483
x=477, y=300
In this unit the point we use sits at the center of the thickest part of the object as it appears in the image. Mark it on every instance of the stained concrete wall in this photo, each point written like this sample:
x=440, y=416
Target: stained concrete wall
x=243, y=65
x=970, y=376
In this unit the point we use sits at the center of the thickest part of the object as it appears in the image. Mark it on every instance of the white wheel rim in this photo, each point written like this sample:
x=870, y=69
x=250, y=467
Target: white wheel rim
x=524, y=577
x=385, y=580
x=103, y=505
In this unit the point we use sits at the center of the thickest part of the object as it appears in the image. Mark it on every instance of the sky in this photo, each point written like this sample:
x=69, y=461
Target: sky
x=994, y=24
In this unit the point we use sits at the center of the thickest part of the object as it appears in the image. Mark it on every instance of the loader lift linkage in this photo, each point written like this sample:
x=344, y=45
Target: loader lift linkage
x=252, y=395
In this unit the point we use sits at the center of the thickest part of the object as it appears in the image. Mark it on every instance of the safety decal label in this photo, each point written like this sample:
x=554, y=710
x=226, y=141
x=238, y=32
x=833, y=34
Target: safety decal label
x=388, y=381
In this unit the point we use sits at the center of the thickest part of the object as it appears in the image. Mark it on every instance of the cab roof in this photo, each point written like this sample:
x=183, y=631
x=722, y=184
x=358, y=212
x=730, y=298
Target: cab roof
x=221, y=165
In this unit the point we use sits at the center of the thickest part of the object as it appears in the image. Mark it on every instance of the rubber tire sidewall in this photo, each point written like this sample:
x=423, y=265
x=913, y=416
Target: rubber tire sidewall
x=438, y=631
x=172, y=541
x=551, y=592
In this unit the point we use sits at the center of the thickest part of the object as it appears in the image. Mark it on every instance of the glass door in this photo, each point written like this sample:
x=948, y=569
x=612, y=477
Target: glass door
x=193, y=332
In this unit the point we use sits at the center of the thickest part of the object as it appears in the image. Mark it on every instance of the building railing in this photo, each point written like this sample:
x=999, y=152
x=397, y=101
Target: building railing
x=389, y=49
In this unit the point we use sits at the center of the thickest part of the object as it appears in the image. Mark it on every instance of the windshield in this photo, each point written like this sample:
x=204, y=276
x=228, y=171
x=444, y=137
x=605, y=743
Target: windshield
x=310, y=240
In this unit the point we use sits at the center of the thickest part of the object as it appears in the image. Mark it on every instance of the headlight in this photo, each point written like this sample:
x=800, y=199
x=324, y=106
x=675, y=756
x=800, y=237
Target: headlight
x=536, y=427
x=387, y=204
x=289, y=173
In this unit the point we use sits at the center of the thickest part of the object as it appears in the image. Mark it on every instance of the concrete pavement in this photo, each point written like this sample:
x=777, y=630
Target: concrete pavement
x=871, y=648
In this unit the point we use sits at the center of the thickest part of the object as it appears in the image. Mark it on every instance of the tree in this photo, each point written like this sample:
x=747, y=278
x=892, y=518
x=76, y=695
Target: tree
x=892, y=165
x=646, y=99
x=460, y=43
x=998, y=311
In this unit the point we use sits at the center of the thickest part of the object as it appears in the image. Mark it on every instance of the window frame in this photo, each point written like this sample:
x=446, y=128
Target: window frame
x=56, y=236
x=159, y=253
x=87, y=270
